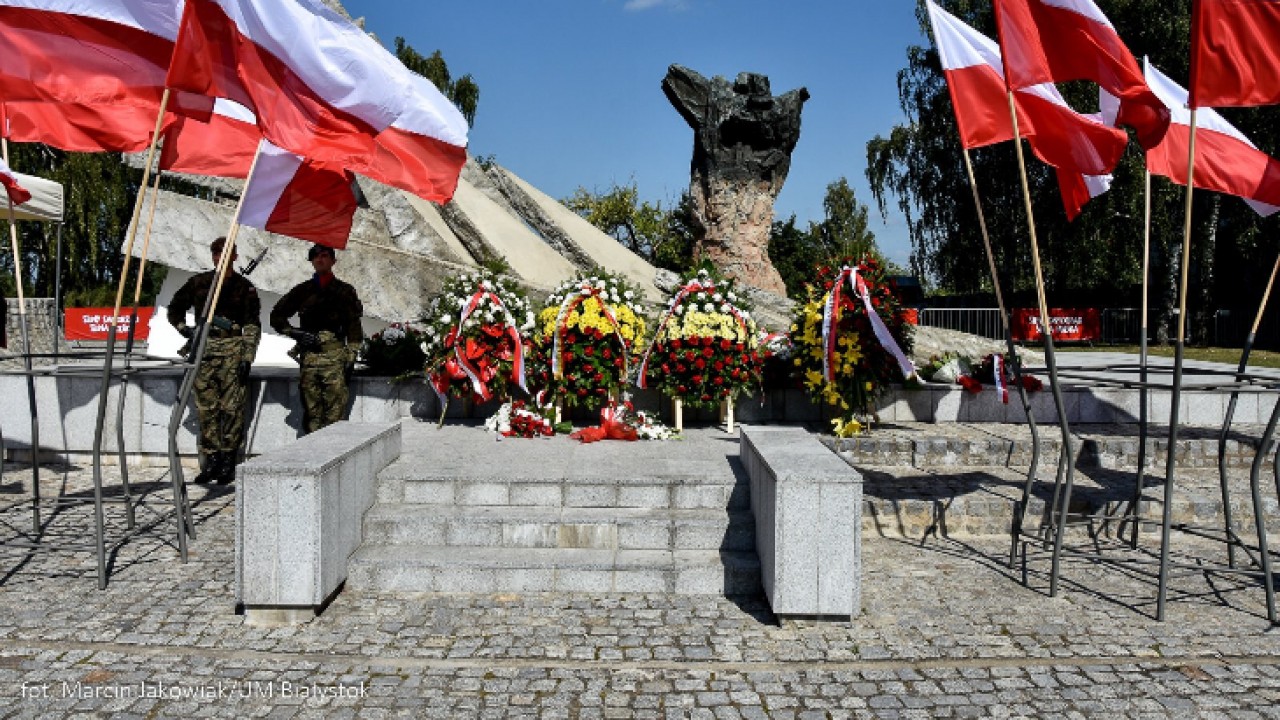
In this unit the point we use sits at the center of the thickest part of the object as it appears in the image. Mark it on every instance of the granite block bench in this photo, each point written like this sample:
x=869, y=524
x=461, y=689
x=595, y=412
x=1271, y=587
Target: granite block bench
x=807, y=504
x=299, y=515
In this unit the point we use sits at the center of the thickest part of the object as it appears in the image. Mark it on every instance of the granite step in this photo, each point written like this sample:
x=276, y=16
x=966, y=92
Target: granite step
x=656, y=483
x=991, y=445
x=450, y=569
x=510, y=526
x=919, y=502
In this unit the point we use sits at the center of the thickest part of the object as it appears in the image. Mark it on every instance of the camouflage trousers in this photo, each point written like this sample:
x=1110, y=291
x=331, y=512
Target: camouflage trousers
x=324, y=386
x=220, y=396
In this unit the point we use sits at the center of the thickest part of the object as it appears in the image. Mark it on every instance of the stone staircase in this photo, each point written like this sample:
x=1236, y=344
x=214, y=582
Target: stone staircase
x=459, y=512
x=963, y=479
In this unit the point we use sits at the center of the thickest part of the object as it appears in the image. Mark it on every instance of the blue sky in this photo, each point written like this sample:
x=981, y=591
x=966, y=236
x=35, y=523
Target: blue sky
x=571, y=89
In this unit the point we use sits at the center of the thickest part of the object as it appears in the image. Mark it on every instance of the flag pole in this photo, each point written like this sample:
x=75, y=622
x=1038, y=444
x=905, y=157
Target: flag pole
x=1142, y=356
x=1020, y=512
x=128, y=352
x=1065, y=461
x=105, y=387
x=26, y=353
x=200, y=340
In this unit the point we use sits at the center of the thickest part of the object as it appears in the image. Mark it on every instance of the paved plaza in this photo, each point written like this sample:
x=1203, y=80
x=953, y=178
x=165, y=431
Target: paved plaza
x=947, y=631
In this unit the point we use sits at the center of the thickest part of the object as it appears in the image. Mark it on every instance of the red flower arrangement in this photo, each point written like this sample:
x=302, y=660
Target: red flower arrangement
x=474, y=341
x=706, y=347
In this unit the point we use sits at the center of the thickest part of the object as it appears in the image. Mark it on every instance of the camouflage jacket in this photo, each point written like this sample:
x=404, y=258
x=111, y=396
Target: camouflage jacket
x=238, y=301
x=334, y=307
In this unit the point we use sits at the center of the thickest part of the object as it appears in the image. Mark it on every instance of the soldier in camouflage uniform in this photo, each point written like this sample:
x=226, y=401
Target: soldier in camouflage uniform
x=222, y=383
x=328, y=338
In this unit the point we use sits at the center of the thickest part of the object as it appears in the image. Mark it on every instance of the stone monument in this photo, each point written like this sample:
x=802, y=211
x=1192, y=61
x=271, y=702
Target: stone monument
x=743, y=138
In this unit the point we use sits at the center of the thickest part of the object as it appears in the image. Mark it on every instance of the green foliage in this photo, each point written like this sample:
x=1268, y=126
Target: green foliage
x=663, y=237
x=463, y=92
x=99, y=192
x=920, y=166
x=842, y=232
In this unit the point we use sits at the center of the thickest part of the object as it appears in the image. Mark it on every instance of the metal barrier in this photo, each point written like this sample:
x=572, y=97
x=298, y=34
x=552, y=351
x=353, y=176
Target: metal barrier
x=975, y=321
x=1121, y=326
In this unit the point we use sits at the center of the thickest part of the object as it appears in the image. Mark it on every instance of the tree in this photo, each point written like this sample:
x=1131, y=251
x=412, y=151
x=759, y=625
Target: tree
x=920, y=165
x=841, y=232
x=99, y=191
x=662, y=237
x=463, y=92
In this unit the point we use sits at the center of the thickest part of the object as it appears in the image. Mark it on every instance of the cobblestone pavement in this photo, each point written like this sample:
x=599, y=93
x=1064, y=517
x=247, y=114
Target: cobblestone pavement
x=947, y=631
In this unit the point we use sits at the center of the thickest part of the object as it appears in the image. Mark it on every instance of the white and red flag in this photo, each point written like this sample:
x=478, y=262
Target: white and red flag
x=17, y=194
x=289, y=195
x=1235, y=53
x=1053, y=41
x=322, y=88
x=78, y=127
x=88, y=75
x=1226, y=160
x=1081, y=147
x=223, y=146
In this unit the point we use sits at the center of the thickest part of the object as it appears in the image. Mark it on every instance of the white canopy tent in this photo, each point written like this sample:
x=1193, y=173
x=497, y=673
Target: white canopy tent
x=45, y=203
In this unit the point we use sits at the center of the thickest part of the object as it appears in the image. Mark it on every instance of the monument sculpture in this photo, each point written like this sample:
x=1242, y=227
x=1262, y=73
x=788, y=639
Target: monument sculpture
x=743, y=139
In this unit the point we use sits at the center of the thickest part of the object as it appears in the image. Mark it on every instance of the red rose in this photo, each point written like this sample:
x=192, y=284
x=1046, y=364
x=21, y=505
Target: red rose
x=617, y=362
x=571, y=338
x=598, y=377
x=707, y=341
x=675, y=343
x=681, y=367
x=700, y=364
x=708, y=352
x=568, y=357
x=588, y=351
x=719, y=365
x=681, y=389
x=725, y=344
x=697, y=379
x=607, y=353
x=582, y=392
x=718, y=380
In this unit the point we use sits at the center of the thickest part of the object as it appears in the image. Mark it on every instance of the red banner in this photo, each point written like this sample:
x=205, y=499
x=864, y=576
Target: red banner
x=1069, y=324
x=95, y=323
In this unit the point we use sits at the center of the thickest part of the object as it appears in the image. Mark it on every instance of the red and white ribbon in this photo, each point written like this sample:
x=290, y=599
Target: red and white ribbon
x=459, y=361
x=831, y=317
x=998, y=366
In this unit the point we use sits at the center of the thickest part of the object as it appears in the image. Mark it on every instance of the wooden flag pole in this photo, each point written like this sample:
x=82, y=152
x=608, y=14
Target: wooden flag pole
x=105, y=387
x=1065, y=464
x=26, y=352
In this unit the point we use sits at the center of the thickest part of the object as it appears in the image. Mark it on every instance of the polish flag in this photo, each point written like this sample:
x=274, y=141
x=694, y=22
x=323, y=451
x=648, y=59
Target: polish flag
x=1053, y=41
x=81, y=128
x=1235, y=53
x=1078, y=189
x=222, y=147
x=17, y=194
x=1058, y=135
x=98, y=68
x=291, y=196
x=322, y=88
x=1226, y=160
x=1082, y=147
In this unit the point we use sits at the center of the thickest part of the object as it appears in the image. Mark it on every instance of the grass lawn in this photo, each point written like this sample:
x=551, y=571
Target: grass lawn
x=1230, y=356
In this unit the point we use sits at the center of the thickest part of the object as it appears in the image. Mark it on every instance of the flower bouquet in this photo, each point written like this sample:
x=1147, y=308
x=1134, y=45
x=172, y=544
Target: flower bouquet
x=621, y=421
x=515, y=419
x=706, y=348
x=850, y=340
x=995, y=369
x=474, y=337
x=588, y=339
x=396, y=350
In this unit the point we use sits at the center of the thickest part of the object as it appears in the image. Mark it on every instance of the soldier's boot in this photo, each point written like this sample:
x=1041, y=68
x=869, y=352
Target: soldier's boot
x=212, y=467
x=227, y=471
